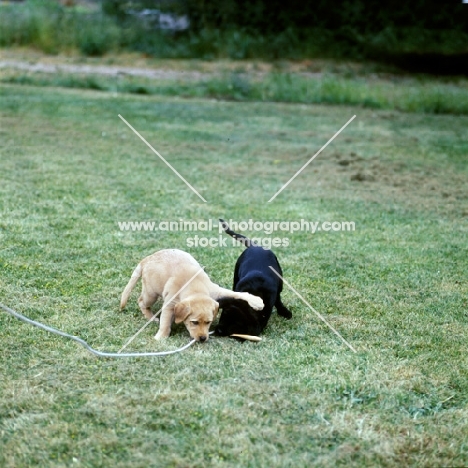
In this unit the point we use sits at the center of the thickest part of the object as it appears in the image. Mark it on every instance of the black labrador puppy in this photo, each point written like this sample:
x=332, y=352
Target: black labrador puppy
x=252, y=274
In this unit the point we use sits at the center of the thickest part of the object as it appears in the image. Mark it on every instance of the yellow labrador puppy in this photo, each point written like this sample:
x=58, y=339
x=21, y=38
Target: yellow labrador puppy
x=189, y=295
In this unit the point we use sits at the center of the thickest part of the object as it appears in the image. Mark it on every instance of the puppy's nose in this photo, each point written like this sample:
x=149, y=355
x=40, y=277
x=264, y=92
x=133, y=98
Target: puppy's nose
x=203, y=338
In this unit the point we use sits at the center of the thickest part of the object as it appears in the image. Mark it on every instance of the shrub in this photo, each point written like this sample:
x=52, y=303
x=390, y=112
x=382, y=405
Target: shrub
x=98, y=35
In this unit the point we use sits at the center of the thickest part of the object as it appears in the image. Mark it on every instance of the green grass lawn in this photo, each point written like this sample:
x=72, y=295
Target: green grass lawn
x=402, y=93
x=395, y=288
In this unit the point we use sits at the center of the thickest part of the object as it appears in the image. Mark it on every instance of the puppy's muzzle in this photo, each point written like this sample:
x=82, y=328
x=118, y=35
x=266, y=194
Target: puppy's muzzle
x=202, y=338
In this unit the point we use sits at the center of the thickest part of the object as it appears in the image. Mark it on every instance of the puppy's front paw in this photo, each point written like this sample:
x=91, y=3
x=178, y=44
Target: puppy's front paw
x=255, y=302
x=160, y=335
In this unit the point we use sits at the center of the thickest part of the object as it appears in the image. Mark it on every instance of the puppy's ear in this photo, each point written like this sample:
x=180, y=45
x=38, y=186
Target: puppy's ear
x=181, y=312
x=216, y=310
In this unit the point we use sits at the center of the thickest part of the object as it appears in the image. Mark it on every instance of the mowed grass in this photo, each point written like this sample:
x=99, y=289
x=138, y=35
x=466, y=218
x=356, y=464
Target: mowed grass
x=395, y=288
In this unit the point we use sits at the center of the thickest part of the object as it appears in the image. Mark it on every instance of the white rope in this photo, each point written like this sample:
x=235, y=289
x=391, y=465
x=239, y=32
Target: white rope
x=86, y=345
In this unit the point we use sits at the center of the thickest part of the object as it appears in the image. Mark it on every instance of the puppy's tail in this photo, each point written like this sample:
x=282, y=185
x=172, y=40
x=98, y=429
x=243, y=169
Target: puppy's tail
x=131, y=284
x=245, y=240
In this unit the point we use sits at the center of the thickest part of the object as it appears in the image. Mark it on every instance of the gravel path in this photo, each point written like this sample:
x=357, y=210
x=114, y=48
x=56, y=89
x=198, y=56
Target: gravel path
x=103, y=70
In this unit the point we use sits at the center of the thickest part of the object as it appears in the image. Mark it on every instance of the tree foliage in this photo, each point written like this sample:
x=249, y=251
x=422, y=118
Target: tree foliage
x=366, y=16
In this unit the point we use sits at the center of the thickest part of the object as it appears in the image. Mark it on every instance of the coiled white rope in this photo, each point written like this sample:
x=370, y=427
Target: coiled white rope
x=86, y=345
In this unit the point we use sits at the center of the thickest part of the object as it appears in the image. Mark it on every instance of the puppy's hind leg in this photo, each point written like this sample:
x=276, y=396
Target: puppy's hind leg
x=146, y=308
x=145, y=301
x=282, y=309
